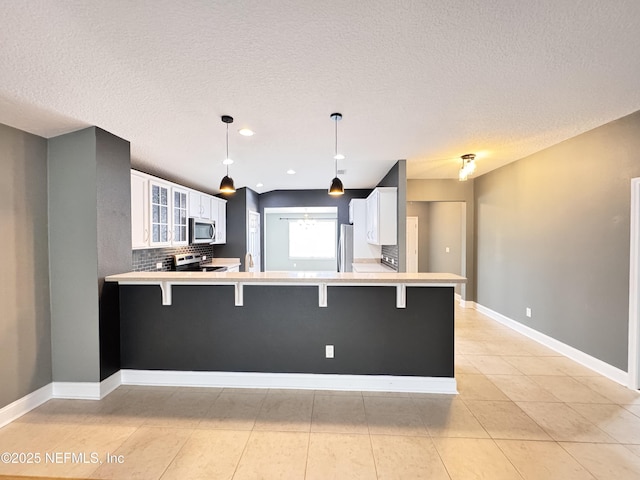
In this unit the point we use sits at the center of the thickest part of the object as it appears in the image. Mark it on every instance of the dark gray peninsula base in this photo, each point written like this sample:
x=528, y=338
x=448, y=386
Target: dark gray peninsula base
x=385, y=335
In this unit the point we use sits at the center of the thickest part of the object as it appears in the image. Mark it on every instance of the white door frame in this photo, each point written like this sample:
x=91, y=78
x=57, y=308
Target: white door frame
x=634, y=288
x=410, y=220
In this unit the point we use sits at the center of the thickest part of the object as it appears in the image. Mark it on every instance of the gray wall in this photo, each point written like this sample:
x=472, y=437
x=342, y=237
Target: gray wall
x=553, y=235
x=449, y=190
x=238, y=206
x=89, y=237
x=446, y=230
x=25, y=343
x=276, y=230
x=397, y=177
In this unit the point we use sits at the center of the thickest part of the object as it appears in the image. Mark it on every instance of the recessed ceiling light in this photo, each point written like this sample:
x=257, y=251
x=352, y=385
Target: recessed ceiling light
x=246, y=132
x=258, y=185
x=339, y=156
x=227, y=161
x=291, y=172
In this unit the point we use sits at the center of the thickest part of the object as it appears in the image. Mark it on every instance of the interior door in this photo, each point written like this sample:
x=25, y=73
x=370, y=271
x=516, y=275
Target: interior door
x=412, y=244
x=253, y=240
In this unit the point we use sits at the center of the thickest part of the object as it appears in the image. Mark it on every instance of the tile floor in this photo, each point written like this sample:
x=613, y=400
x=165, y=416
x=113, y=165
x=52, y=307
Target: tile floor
x=523, y=412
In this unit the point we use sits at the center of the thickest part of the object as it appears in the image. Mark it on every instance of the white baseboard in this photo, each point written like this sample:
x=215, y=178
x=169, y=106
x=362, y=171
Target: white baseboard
x=303, y=381
x=86, y=390
x=24, y=405
x=109, y=384
x=579, y=356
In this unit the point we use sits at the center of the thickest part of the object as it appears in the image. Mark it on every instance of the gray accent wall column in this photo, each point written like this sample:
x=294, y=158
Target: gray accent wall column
x=553, y=235
x=25, y=322
x=89, y=237
x=397, y=177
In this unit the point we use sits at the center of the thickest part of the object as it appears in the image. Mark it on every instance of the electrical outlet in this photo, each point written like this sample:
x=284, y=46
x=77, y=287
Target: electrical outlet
x=159, y=266
x=204, y=257
x=447, y=249
x=528, y=312
x=328, y=351
x=393, y=261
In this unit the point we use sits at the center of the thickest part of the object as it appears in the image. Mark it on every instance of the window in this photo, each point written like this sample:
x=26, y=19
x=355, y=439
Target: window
x=314, y=238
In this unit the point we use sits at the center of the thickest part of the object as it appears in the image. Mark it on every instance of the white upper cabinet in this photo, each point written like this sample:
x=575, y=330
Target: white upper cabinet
x=199, y=205
x=160, y=212
x=139, y=211
x=221, y=223
x=180, y=219
x=382, y=216
x=160, y=205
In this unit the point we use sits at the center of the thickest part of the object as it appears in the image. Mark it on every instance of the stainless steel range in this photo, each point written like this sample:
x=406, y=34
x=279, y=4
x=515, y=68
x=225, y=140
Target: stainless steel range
x=192, y=262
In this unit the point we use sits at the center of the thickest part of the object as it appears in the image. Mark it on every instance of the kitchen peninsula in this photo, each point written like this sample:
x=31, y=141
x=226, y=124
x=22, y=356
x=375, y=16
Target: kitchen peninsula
x=362, y=331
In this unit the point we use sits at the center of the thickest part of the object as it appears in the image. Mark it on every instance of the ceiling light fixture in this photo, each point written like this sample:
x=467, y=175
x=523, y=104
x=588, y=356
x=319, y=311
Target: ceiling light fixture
x=259, y=184
x=468, y=166
x=291, y=171
x=226, y=185
x=246, y=132
x=336, y=187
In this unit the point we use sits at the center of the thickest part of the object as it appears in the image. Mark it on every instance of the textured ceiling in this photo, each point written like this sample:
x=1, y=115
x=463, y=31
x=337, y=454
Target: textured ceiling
x=423, y=80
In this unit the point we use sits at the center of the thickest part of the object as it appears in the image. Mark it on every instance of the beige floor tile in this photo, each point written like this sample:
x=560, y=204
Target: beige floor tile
x=533, y=365
x=615, y=392
x=411, y=425
x=612, y=419
x=449, y=418
x=389, y=406
x=635, y=409
x=492, y=364
x=606, y=462
x=542, y=460
x=463, y=365
x=470, y=459
x=563, y=423
x=285, y=412
x=339, y=393
x=253, y=391
x=520, y=388
x=568, y=389
x=478, y=387
x=339, y=414
x=634, y=448
x=274, y=456
x=571, y=367
x=470, y=347
x=385, y=394
x=407, y=458
x=183, y=409
x=146, y=454
x=506, y=420
x=340, y=456
x=62, y=411
x=208, y=455
x=233, y=411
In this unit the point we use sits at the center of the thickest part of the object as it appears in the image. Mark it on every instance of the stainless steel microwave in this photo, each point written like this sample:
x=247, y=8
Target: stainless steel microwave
x=202, y=231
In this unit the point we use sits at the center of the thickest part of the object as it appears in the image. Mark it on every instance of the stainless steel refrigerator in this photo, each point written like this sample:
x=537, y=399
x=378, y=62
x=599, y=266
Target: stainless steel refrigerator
x=345, y=248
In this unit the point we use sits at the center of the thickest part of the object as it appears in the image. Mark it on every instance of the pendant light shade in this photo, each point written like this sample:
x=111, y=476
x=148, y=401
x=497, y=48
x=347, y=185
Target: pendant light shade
x=336, y=187
x=226, y=185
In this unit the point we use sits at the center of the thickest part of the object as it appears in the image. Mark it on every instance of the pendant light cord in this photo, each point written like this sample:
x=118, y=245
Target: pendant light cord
x=336, y=152
x=227, y=150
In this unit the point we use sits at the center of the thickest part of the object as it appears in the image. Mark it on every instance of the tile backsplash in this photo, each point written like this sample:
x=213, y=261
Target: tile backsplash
x=390, y=252
x=146, y=260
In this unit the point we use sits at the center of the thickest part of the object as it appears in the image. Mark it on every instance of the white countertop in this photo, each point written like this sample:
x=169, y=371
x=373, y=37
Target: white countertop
x=286, y=277
x=222, y=262
x=371, y=267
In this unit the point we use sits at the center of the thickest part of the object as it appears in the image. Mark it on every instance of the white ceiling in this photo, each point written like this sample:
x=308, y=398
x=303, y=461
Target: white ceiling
x=422, y=80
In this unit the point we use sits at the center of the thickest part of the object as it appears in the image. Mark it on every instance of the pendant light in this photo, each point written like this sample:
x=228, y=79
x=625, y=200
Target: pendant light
x=468, y=166
x=226, y=185
x=336, y=187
